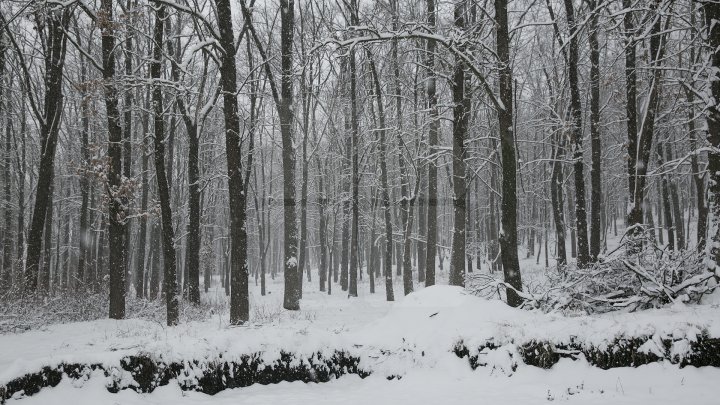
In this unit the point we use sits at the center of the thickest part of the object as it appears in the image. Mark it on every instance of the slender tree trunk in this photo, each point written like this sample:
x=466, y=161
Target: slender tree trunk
x=21, y=191
x=678, y=220
x=508, y=238
x=643, y=145
x=45, y=278
x=634, y=216
x=127, y=143
x=140, y=271
x=56, y=22
x=7, y=268
x=85, y=238
x=322, y=229
x=155, y=236
x=460, y=124
x=595, y=172
x=387, y=259
x=168, y=233
x=434, y=126
x=665, y=198
x=583, y=258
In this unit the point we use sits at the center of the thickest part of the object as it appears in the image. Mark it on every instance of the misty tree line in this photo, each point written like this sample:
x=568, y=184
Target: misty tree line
x=149, y=144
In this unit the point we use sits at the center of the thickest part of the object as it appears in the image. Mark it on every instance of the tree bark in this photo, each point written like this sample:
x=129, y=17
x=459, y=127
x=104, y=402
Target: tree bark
x=595, y=143
x=387, y=258
x=239, y=295
x=712, y=18
x=433, y=129
x=56, y=22
x=508, y=236
x=168, y=233
x=583, y=257
x=114, y=188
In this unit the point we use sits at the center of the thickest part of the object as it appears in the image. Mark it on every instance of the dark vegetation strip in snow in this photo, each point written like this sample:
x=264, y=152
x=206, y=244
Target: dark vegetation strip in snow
x=143, y=372
x=701, y=351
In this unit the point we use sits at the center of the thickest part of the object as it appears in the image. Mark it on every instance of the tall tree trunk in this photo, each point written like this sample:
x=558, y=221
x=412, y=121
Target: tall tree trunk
x=85, y=237
x=595, y=172
x=387, y=258
x=354, y=121
x=460, y=124
x=141, y=274
x=643, y=145
x=239, y=295
x=291, y=299
x=433, y=129
x=7, y=268
x=583, y=258
x=127, y=141
x=712, y=17
x=194, y=231
x=21, y=190
x=116, y=197
x=56, y=22
x=168, y=233
x=634, y=211
x=508, y=238
x=697, y=176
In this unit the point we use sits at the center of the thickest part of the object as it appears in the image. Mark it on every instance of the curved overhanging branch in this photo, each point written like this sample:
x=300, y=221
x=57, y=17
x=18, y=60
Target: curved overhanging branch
x=449, y=44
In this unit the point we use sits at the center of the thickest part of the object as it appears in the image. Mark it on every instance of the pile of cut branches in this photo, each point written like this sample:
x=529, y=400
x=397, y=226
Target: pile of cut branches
x=625, y=279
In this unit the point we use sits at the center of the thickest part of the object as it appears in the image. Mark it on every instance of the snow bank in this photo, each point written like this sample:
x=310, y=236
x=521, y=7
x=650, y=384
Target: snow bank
x=420, y=331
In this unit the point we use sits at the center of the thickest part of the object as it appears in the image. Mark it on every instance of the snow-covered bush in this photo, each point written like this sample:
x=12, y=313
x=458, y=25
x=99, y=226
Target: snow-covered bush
x=621, y=280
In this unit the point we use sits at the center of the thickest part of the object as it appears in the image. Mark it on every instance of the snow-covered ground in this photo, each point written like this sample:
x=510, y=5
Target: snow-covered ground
x=420, y=330
x=451, y=382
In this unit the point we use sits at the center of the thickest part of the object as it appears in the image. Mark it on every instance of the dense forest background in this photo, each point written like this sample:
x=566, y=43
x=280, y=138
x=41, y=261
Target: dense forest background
x=157, y=149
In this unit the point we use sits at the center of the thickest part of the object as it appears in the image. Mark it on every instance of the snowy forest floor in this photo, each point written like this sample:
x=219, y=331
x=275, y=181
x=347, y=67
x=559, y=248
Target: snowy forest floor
x=411, y=341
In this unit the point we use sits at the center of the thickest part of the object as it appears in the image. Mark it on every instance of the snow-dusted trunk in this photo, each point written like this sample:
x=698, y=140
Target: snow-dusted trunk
x=322, y=227
x=127, y=142
x=239, y=297
x=44, y=286
x=116, y=197
x=168, y=233
x=583, y=257
x=677, y=207
x=640, y=140
x=55, y=23
x=293, y=279
x=712, y=24
x=6, y=272
x=634, y=209
x=665, y=198
x=387, y=258
x=508, y=232
x=355, y=179
x=141, y=275
x=595, y=144
x=433, y=129
x=460, y=124
x=85, y=238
